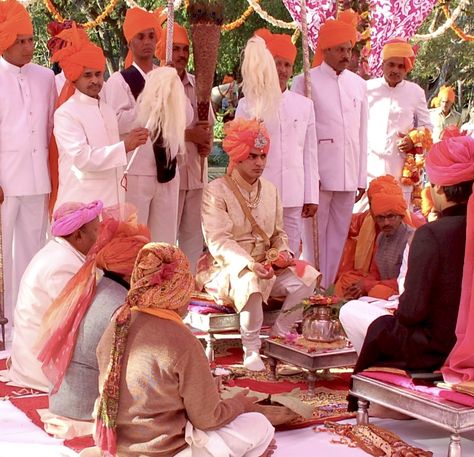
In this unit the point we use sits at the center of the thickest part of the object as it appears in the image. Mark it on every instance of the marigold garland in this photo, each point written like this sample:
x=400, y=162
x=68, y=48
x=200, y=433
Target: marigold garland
x=87, y=25
x=238, y=22
x=255, y=4
x=461, y=34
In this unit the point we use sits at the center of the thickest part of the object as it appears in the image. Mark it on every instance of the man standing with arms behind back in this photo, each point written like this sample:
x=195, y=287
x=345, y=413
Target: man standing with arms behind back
x=340, y=106
x=27, y=94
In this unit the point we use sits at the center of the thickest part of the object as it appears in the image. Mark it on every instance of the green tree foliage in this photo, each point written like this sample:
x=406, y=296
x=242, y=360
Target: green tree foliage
x=447, y=59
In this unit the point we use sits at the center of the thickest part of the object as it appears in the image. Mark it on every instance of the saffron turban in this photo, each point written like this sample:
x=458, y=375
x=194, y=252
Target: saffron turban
x=70, y=217
x=78, y=54
x=137, y=20
x=335, y=32
x=14, y=21
x=180, y=36
x=398, y=47
x=279, y=45
x=448, y=93
x=386, y=196
x=241, y=137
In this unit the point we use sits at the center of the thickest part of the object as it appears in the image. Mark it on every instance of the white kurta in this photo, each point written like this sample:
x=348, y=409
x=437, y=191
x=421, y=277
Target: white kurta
x=42, y=282
x=156, y=203
x=440, y=121
x=340, y=107
x=27, y=98
x=292, y=161
x=393, y=111
x=91, y=155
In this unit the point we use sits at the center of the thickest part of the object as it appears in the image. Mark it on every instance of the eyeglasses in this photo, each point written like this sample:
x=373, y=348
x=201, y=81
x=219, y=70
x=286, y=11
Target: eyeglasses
x=388, y=217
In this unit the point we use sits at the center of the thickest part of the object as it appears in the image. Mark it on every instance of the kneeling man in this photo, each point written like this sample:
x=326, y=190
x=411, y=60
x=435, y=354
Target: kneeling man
x=242, y=221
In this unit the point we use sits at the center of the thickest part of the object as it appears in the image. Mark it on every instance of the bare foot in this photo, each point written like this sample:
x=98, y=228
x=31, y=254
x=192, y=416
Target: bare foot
x=270, y=449
x=382, y=412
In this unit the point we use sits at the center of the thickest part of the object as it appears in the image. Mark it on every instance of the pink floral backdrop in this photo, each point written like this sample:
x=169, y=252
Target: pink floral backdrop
x=389, y=18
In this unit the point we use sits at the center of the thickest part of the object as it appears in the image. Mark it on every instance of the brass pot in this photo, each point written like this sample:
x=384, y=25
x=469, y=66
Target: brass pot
x=320, y=326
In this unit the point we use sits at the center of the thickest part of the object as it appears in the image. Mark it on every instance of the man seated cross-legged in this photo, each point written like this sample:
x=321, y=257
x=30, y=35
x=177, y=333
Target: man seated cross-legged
x=242, y=220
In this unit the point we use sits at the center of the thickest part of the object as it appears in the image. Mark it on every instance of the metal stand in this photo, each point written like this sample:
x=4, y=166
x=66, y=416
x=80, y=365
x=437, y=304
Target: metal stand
x=454, y=449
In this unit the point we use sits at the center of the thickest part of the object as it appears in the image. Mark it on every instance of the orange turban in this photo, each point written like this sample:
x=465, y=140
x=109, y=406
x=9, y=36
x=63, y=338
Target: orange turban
x=447, y=92
x=136, y=21
x=180, y=36
x=385, y=195
x=398, y=47
x=14, y=21
x=79, y=54
x=336, y=31
x=279, y=45
x=241, y=136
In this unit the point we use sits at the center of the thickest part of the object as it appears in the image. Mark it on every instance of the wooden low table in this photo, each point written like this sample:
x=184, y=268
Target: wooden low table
x=445, y=414
x=216, y=323
x=312, y=361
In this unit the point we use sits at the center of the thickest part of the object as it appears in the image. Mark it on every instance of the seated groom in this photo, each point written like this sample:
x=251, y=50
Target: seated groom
x=242, y=220
x=380, y=244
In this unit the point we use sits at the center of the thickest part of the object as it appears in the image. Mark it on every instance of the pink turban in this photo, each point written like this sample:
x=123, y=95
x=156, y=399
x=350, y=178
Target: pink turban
x=242, y=136
x=71, y=216
x=451, y=162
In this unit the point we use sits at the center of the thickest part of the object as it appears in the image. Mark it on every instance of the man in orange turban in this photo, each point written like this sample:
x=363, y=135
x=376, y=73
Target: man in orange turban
x=396, y=106
x=27, y=97
x=293, y=143
x=198, y=137
x=378, y=278
x=340, y=107
x=152, y=180
x=242, y=220
x=444, y=115
x=436, y=306
x=91, y=154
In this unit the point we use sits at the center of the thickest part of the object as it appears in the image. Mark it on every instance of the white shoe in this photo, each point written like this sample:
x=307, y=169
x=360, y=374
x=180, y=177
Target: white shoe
x=253, y=361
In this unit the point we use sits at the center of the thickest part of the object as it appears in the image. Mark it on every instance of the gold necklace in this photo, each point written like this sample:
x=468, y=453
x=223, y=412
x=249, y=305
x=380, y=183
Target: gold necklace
x=254, y=202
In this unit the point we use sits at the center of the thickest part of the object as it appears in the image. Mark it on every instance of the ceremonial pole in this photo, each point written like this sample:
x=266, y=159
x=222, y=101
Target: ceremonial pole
x=169, y=32
x=307, y=93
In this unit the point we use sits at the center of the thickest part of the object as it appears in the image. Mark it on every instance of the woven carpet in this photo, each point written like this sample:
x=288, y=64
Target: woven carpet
x=328, y=402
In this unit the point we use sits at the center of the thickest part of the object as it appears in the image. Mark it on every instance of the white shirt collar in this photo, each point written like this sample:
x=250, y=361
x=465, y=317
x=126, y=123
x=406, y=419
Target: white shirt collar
x=145, y=75
x=85, y=98
x=12, y=68
x=329, y=70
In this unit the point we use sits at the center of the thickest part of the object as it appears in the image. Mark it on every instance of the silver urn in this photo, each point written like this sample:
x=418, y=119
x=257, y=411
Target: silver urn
x=319, y=325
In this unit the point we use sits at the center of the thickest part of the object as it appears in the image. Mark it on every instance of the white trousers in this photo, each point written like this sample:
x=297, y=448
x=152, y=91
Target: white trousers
x=293, y=225
x=356, y=317
x=156, y=204
x=334, y=218
x=248, y=435
x=190, y=239
x=251, y=317
x=24, y=224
